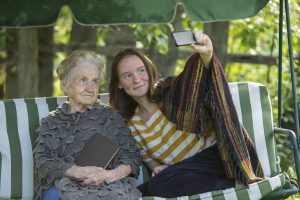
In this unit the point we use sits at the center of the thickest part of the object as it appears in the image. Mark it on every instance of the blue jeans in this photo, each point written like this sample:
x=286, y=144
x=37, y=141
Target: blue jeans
x=51, y=193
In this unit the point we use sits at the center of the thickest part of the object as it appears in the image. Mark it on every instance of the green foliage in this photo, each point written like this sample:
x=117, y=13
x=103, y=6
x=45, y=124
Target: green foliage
x=63, y=25
x=255, y=35
x=259, y=36
x=187, y=23
x=179, y=66
x=102, y=36
x=158, y=34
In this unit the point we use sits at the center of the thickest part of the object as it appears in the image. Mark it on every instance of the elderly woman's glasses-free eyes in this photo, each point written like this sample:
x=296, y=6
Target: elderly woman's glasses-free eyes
x=84, y=82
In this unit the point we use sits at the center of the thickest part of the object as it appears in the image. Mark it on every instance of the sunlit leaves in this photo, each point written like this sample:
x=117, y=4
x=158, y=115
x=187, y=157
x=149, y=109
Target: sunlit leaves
x=63, y=25
x=159, y=34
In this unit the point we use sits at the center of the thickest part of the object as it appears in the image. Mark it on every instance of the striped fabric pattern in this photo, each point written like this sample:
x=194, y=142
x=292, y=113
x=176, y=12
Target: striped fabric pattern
x=255, y=113
x=209, y=100
x=254, y=192
x=20, y=117
x=166, y=144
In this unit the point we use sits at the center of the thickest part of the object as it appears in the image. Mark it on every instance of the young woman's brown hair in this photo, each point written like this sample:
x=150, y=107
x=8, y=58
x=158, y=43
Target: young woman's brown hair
x=118, y=98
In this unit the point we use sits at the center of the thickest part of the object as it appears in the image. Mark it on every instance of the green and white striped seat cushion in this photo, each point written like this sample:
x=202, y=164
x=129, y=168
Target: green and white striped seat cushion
x=20, y=117
x=254, y=192
x=254, y=110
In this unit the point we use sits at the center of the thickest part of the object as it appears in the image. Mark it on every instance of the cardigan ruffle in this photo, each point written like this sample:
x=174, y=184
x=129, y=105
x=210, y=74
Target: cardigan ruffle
x=62, y=135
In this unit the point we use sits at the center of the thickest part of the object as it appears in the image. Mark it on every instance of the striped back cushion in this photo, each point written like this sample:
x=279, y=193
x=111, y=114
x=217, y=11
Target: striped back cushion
x=254, y=110
x=20, y=117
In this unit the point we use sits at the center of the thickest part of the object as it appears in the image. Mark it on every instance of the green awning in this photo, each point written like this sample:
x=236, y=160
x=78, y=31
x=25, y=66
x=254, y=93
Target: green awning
x=20, y=13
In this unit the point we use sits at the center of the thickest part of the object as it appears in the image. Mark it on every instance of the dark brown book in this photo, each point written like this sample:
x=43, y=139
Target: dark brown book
x=98, y=152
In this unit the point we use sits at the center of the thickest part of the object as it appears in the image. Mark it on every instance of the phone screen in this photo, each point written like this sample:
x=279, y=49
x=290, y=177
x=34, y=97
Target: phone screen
x=184, y=38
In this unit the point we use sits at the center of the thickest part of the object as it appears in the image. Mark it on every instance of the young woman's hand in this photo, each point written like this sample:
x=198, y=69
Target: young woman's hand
x=204, y=47
x=158, y=169
x=255, y=179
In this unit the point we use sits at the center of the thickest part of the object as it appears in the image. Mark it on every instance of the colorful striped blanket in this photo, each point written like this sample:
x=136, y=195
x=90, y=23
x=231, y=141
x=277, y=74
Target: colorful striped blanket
x=198, y=100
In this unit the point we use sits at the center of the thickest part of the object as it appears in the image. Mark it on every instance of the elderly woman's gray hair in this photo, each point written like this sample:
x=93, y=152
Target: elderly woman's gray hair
x=65, y=69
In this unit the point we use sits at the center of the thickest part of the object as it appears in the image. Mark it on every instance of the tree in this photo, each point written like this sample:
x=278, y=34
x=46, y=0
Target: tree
x=118, y=37
x=45, y=61
x=11, y=44
x=27, y=63
x=218, y=32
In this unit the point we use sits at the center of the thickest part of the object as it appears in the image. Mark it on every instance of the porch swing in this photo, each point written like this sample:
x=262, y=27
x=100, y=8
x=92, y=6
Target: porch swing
x=20, y=117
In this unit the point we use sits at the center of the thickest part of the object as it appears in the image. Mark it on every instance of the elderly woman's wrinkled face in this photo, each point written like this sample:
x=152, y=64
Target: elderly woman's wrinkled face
x=82, y=90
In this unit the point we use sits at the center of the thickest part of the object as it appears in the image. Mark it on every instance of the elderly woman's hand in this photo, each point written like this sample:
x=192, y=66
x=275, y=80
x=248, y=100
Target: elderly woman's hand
x=108, y=175
x=81, y=173
x=97, y=178
x=204, y=47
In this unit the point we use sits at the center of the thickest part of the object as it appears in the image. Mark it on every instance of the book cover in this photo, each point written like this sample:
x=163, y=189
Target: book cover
x=98, y=152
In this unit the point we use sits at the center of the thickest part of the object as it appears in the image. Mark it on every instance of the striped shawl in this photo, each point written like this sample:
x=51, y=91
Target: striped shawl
x=199, y=101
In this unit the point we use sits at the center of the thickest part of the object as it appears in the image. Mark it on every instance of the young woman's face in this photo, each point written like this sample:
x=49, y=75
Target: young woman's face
x=82, y=90
x=133, y=76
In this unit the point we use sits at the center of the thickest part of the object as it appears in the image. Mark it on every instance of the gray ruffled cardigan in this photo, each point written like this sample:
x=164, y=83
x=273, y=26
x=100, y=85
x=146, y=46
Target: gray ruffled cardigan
x=63, y=135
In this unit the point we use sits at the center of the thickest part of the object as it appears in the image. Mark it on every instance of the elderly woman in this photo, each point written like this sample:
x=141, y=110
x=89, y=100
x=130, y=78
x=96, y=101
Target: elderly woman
x=68, y=129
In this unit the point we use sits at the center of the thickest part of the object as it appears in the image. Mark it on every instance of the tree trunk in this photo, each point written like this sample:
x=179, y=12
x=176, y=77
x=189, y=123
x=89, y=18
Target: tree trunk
x=11, y=83
x=2, y=74
x=165, y=63
x=218, y=32
x=45, y=61
x=83, y=37
x=2, y=82
x=2, y=91
x=119, y=35
x=27, y=66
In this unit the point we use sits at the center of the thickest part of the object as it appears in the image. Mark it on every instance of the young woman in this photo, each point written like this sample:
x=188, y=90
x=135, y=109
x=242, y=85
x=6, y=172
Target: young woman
x=186, y=126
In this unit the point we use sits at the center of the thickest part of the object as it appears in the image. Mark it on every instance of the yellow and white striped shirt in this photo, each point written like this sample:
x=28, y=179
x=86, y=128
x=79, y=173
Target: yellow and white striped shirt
x=159, y=140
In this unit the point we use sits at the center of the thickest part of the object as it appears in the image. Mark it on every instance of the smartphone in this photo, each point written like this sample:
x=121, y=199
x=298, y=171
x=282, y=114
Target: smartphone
x=183, y=38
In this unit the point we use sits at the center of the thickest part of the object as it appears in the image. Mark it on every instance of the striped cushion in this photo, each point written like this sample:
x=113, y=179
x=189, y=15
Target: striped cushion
x=254, y=192
x=20, y=117
x=254, y=110
x=18, y=120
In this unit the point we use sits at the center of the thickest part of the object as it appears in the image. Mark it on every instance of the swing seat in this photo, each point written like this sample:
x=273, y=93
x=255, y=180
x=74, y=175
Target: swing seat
x=19, y=119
